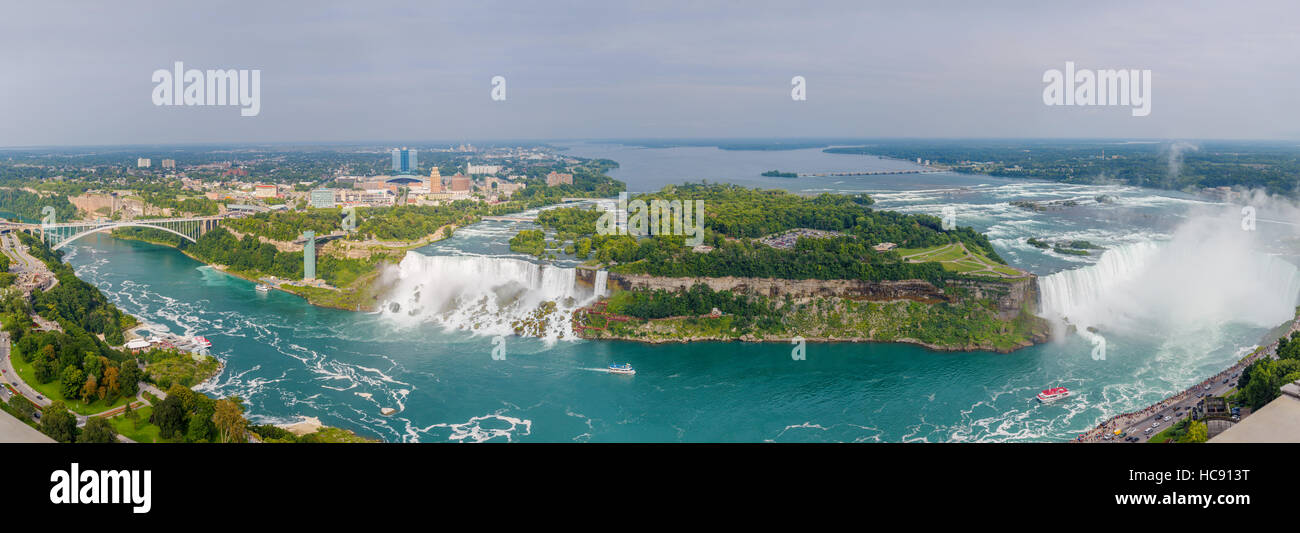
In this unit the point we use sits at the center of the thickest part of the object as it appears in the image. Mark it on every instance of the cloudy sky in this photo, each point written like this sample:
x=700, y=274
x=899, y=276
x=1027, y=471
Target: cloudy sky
x=79, y=73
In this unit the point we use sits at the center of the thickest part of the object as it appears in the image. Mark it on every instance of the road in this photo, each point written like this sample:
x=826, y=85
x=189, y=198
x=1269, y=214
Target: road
x=31, y=272
x=14, y=430
x=8, y=375
x=1136, y=424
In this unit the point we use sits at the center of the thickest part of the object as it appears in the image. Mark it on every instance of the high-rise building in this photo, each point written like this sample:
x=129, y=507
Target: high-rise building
x=404, y=160
x=460, y=183
x=556, y=178
x=435, y=180
x=473, y=169
x=322, y=198
x=143, y=162
x=169, y=163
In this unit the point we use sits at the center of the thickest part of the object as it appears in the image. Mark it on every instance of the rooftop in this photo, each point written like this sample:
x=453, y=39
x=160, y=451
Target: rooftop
x=1278, y=421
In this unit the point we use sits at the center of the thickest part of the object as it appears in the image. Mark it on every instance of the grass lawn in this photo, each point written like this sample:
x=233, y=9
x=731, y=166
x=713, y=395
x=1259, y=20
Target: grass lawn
x=336, y=435
x=51, y=390
x=946, y=252
x=955, y=259
x=147, y=432
x=1174, y=432
x=1007, y=270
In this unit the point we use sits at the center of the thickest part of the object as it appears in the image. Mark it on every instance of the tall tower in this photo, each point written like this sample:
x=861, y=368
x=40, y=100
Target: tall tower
x=405, y=159
x=309, y=256
x=435, y=180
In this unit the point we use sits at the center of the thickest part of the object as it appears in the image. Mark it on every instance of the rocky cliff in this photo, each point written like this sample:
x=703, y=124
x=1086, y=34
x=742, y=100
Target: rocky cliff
x=1010, y=296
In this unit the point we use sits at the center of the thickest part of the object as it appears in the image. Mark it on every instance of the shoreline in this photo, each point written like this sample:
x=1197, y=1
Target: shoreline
x=1120, y=420
x=363, y=284
x=823, y=340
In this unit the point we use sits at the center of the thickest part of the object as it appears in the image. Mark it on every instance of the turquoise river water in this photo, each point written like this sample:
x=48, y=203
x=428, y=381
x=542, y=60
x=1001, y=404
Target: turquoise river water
x=1180, y=292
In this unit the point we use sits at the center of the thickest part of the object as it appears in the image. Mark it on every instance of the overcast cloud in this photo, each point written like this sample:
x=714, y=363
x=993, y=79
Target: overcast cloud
x=79, y=73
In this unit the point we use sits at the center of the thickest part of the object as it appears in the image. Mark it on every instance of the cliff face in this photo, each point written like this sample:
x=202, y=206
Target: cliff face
x=1009, y=296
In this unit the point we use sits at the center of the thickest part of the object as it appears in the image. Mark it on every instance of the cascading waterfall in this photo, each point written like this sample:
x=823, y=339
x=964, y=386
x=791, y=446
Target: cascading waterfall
x=1084, y=296
x=602, y=277
x=486, y=295
x=1172, y=287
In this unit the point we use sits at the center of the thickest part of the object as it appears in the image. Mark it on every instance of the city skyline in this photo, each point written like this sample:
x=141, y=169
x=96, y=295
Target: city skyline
x=330, y=73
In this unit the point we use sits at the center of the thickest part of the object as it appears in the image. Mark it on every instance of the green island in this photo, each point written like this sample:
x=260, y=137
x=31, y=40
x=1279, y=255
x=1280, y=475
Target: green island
x=774, y=266
x=1064, y=247
x=779, y=174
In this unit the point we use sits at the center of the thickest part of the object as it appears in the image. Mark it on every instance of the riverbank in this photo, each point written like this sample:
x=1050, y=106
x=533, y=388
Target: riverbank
x=1125, y=420
x=361, y=295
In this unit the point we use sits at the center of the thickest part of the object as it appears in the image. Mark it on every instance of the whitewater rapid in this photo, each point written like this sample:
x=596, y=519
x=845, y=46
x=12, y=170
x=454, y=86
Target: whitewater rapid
x=488, y=295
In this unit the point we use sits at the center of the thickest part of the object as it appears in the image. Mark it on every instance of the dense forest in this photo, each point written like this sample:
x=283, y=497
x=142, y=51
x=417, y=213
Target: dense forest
x=700, y=299
x=28, y=205
x=735, y=216
x=1262, y=381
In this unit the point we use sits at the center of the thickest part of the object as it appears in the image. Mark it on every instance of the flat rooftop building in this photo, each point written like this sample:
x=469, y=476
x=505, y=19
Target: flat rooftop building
x=1277, y=421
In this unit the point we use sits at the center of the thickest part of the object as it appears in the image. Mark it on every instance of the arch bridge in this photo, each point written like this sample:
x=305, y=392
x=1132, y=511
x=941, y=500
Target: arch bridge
x=59, y=235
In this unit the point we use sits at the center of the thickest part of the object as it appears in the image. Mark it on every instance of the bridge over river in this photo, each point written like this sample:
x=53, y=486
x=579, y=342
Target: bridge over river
x=60, y=234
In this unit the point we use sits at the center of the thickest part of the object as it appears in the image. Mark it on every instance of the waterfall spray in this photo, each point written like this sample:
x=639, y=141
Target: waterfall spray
x=487, y=295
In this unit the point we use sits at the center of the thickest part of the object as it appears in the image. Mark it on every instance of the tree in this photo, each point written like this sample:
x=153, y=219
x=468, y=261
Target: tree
x=201, y=425
x=99, y=430
x=109, y=385
x=71, y=381
x=169, y=416
x=129, y=378
x=93, y=365
x=89, y=389
x=23, y=407
x=46, y=370
x=184, y=395
x=1197, y=432
x=229, y=420
x=1263, y=384
x=58, y=422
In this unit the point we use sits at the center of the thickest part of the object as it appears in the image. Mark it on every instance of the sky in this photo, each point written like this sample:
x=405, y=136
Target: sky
x=79, y=73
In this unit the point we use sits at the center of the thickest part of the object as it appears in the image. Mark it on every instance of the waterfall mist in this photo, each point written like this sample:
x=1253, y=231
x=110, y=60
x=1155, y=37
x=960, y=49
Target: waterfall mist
x=1211, y=272
x=486, y=295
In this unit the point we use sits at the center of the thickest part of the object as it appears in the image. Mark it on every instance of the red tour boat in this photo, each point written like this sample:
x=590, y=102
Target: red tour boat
x=1053, y=394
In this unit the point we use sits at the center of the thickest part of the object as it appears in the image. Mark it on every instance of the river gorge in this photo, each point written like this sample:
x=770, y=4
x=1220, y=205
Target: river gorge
x=1158, y=293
